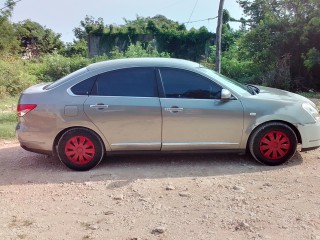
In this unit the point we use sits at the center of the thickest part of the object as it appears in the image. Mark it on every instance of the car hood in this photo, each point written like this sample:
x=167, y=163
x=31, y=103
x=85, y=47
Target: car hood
x=281, y=95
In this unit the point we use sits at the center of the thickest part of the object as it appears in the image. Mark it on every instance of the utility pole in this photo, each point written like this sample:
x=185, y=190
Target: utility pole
x=218, y=37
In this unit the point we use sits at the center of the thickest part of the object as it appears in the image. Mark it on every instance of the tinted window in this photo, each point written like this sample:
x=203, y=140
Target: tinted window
x=131, y=82
x=185, y=84
x=67, y=78
x=84, y=87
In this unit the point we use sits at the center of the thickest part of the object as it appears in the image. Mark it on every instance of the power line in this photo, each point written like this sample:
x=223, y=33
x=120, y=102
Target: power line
x=10, y=4
x=192, y=12
x=202, y=20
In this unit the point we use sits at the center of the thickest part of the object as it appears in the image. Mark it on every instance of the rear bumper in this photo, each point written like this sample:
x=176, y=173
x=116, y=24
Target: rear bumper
x=310, y=135
x=36, y=150
x=34, y=141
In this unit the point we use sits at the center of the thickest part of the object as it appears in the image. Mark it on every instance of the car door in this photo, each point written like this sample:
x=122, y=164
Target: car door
x=194, y=116
x=125, y=106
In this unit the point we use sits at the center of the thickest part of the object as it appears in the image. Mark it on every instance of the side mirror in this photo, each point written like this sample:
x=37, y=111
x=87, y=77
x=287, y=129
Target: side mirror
x=225, y=94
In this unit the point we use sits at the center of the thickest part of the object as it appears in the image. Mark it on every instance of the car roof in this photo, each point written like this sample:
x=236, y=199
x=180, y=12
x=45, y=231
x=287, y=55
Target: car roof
x=144, y=62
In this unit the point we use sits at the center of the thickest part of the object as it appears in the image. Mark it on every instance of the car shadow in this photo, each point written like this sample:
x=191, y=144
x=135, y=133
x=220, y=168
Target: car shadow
x=21, y=167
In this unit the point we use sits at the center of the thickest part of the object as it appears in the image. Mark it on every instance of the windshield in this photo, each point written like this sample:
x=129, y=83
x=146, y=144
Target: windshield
x=236, y=86
x=66, y=78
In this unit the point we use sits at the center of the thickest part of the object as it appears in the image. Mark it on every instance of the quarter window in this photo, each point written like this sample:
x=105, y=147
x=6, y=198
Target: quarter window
x=185, y=84
x=84, y=87
x=131, y=82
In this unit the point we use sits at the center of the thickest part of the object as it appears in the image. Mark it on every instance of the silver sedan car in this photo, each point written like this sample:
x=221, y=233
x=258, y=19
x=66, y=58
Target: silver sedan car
x=158, y=104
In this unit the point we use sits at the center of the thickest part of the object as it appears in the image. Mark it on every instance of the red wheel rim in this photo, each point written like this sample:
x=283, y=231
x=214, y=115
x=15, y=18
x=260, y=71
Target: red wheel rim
x=80, y=150
x=274, y=145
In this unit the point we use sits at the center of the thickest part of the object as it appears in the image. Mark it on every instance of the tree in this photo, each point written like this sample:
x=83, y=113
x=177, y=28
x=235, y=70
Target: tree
x=36, y=39
x=9, y=43
x=284, y=37
x=78, y=47
x=87, y=26
x=218, y=37
x=7, y=10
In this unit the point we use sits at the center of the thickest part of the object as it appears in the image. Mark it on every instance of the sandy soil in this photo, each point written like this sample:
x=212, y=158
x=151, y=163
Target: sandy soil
x=207, y=196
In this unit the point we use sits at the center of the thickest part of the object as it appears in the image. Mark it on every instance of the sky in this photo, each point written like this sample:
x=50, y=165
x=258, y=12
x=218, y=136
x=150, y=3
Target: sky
x=62, y=16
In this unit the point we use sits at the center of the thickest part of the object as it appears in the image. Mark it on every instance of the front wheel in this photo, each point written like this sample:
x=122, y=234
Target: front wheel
x=273, y=143
x=80, y=149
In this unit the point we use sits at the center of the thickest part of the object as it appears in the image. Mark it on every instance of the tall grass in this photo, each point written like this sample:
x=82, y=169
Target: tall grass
x=8, y=122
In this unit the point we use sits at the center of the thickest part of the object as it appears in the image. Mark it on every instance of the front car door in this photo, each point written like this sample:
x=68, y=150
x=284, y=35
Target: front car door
x=125, y=106
x=194, y=116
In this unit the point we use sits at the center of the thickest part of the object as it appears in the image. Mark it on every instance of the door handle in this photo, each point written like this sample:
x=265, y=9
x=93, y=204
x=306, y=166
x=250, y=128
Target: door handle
x=99, y=106
x=174, y=109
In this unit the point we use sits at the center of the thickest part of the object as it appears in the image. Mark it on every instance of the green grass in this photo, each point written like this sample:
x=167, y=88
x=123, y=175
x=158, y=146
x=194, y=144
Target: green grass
x=8, y=122
x=9, y=103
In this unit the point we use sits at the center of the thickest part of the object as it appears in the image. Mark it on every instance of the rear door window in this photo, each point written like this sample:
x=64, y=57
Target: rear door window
x=129, y=82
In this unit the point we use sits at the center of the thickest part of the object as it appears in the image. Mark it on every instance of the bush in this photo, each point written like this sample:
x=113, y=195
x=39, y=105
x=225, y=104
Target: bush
x=232, y=66
x=242, y=71
x=17, y=74
x=55, y=66
x=137, y=50
x=14, y=77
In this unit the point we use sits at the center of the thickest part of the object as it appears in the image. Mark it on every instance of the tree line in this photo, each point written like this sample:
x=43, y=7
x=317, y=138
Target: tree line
x=277, y=45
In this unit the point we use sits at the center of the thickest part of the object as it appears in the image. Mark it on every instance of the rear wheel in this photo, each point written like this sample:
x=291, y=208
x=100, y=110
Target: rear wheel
x=80, y=149
x=273, y=143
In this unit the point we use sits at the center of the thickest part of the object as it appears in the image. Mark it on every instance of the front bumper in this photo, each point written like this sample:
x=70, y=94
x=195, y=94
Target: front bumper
x=310, y=135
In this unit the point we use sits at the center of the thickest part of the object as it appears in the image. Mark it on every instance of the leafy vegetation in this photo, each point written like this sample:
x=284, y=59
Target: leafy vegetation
x=283, y=41
x=8, y=121
x=8, y=104
x=277, y=45
x=13, y=77
x=170, y=36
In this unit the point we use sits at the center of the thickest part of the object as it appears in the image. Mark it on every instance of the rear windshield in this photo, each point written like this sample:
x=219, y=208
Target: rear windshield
x=66, y=78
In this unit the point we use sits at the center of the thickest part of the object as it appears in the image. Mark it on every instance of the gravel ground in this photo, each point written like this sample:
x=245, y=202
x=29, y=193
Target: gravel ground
x=205, y=196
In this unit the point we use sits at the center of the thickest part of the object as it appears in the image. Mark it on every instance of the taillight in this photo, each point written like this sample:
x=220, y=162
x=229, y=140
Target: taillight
x=23, y=109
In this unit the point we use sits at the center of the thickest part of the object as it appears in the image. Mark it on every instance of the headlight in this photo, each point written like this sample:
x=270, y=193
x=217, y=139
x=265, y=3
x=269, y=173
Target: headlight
x=312, y=111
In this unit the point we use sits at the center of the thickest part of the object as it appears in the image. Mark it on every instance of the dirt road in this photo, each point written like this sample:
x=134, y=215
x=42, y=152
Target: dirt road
x=207, y=196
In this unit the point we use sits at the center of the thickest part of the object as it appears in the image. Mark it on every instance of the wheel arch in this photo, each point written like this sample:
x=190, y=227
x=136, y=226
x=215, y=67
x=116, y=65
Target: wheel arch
x=58, y=136
x=293, y=127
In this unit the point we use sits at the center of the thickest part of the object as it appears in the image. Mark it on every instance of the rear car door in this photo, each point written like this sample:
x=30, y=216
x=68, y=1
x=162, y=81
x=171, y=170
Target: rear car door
x=194, y=116
x=125, y=106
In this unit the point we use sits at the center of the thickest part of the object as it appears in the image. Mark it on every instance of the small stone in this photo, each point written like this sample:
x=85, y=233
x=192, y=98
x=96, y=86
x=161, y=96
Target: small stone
x=184, y=194
x=170, y=187
x=158, y=230
x=241, y=226
x=118, y=197
x=144, y=199
x=206, y=216
x=93, y=227
x=108, y=213
x=239, y=188
x=207, y=197
x=267, y=184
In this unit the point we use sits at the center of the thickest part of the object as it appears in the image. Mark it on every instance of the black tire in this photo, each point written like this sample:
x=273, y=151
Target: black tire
x=80, y=149
x=273, y=143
